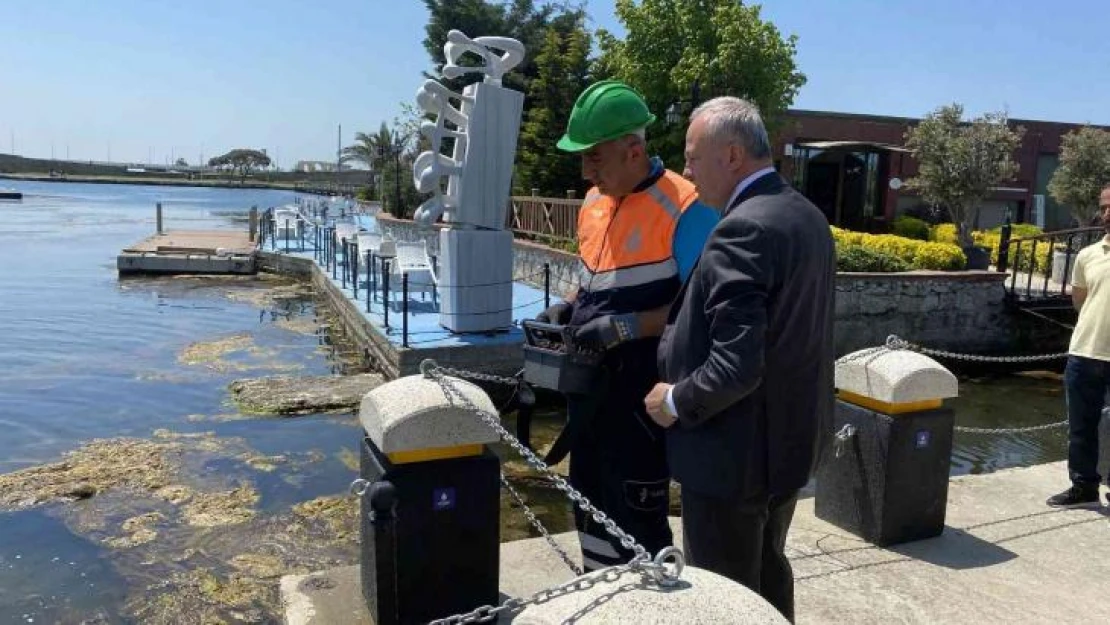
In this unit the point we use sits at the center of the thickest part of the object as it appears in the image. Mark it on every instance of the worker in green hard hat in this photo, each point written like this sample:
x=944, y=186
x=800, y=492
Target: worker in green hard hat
x=640, y=231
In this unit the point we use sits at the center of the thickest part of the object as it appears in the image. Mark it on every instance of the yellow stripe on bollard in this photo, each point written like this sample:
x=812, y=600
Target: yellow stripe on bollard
x=434, y=453
x=888, y=407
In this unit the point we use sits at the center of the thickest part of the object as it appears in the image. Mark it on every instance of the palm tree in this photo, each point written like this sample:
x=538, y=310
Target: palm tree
x=364, y=151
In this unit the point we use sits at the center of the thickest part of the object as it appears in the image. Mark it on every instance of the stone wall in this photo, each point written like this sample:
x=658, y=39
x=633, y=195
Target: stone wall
x=958, y=311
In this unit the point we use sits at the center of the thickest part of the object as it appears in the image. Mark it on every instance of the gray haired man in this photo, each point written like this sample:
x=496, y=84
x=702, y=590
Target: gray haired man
x=746, y=358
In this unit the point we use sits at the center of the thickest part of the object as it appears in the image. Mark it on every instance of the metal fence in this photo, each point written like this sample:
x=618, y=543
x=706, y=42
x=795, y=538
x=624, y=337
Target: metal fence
x=1040, y=266
x=545, y=216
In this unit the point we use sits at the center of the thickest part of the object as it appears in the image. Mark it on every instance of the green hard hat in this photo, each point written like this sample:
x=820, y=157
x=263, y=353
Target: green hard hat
x=605, y=111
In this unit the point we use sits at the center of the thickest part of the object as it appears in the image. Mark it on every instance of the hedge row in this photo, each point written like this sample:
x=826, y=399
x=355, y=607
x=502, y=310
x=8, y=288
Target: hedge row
x=911, y=253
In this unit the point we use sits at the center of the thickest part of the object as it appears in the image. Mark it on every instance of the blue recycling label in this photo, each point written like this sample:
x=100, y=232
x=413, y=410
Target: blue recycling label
x=443, y=499
x=922, y=439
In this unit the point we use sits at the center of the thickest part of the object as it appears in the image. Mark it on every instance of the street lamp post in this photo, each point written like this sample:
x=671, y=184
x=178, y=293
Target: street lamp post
x=674, y=111
x=395, y=147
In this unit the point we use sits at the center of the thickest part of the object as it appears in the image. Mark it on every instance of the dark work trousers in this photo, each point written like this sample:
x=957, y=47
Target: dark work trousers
x=618, y=461
x=1086, y=382
x=743, y=540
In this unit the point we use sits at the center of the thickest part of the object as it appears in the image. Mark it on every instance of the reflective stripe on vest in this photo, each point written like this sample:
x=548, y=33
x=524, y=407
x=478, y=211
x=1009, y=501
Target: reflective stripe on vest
x=628, y=242
x=626, y=276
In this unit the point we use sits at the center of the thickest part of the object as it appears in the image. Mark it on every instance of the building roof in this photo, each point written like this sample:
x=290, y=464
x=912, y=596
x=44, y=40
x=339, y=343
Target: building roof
x=832, y=145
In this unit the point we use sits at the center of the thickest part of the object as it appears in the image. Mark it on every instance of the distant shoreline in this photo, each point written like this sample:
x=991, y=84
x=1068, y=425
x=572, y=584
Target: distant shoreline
x=168, y=182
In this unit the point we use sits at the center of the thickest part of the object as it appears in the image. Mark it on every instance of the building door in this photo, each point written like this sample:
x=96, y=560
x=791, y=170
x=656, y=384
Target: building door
x=822, y=187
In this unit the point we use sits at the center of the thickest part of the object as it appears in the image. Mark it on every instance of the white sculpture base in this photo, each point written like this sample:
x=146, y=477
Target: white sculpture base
x=475, y=279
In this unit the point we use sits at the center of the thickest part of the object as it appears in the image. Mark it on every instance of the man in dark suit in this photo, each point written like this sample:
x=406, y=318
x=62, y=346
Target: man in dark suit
x=747, y=356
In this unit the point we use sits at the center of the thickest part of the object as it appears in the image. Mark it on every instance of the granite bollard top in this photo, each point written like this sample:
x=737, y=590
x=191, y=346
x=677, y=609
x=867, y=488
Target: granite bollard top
x=895, y=377
x=699, y=597
x=413, y=413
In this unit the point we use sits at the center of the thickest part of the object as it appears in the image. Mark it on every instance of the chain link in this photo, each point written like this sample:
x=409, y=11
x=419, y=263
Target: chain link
x=664, y=570
x=479, y=376
x=1021, y=430
x=895, y=342
x=577, y=570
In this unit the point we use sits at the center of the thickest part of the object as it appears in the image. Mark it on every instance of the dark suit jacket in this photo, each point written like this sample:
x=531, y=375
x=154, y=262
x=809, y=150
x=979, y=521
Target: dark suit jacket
x=749, y=347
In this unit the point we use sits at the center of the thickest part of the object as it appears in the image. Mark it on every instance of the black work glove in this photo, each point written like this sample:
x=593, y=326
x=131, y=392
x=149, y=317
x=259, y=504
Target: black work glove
x=558, y=314
x=606, y=332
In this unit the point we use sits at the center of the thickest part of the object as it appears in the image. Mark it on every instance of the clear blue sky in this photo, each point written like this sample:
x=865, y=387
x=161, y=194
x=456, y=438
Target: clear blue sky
x=131, y=78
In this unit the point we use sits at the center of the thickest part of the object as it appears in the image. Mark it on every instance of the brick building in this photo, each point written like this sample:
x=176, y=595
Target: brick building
x=853, y=166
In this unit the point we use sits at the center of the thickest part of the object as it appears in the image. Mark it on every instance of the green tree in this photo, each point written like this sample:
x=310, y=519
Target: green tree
x=959, y=163
x=364, y=151
x=241, y=160
x=722, y=46
x=1083, y=172
x=563, y=67
x=519, y=19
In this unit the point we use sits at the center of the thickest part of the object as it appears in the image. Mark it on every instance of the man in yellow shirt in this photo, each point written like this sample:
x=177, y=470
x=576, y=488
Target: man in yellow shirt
x=1087, y=376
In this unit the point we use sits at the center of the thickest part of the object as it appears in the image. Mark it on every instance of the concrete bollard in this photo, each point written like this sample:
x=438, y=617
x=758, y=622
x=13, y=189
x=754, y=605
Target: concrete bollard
x=700, y=596
x=430, y=518
x=158, y=217
x=885, y=478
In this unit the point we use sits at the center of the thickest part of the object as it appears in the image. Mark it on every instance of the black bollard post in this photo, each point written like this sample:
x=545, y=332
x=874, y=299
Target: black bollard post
x=346, y=263
x=385, y=292
x=405, y=309
x=428, y=512
x=372, y=267
x=352, y=259
x=369, y=278
x=354, y=269
x=546, y=286
x=334, y=254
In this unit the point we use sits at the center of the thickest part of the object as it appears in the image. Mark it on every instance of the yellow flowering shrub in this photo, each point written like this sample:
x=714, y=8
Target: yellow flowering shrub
x=1040, y=259
x=914, y=253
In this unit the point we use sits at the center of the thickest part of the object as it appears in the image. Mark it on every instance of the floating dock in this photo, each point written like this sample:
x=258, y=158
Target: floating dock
x=190, y=251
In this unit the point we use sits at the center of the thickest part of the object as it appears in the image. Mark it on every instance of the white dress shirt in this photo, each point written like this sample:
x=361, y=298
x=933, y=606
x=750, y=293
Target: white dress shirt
x=743, y=184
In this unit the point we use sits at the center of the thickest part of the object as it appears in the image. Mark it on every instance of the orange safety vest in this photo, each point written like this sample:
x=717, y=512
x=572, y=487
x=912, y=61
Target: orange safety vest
x=624, y=242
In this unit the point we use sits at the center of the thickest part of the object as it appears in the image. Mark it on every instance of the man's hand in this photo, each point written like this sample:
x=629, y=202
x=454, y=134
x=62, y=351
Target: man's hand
x=596, y=334
x=558, y=314
x=657, y=408
x=607, y=332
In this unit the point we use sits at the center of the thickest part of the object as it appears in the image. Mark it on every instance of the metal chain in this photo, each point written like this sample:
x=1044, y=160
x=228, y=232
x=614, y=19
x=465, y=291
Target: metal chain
x=654, y=570
x=894, y=342
x=488, y=613
x=477, y=375
x=577, y=570
x=1022, y=430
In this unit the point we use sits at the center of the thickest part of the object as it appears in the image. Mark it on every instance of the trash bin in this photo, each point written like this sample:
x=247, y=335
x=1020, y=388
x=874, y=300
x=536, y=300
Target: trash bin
x=885, y=477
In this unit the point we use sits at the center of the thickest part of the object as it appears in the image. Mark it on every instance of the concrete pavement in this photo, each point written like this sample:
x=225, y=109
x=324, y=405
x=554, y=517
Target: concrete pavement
x=1004, y=557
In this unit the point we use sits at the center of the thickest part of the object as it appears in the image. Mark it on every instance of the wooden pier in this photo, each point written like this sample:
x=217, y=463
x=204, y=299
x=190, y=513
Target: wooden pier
x=192, y=251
